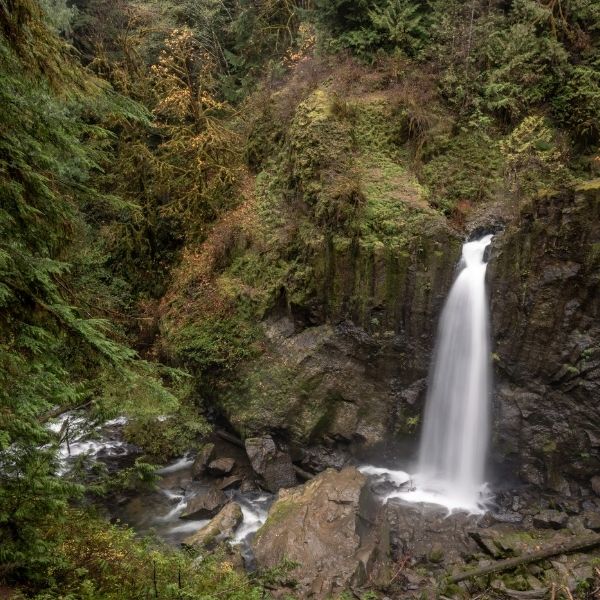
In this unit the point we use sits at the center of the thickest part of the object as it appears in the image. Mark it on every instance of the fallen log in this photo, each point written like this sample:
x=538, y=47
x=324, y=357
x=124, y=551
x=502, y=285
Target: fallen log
x=564, y=547
x=232, y=439
x=59, y=410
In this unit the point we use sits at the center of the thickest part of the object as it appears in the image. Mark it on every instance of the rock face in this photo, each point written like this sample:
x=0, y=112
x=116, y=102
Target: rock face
x=220, y=529
x=427, y=534
x=351, y=324
x=204, y=505
x=550, y=519
x=544, y=276
x=271, y=463
x=221, y=466
x=326, y=526
x=202, y=459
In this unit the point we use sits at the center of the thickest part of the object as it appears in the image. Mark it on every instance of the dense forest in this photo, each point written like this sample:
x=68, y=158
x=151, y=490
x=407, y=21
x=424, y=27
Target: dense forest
x=239, y=219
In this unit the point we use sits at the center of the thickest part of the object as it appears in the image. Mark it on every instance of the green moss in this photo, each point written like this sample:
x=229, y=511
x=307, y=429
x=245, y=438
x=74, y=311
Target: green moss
x=260, y=397
x=278, y=513
x=516, y=582
x=408, y=423
x=588, y=186
x=466, y=167
x=436, y=555
x=593, y=255
x=211, y=343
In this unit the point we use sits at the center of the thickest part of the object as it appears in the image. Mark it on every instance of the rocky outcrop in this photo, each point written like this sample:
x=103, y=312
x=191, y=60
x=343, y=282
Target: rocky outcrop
x=327, y=527
x=347, y=265
x=220, y=529
x=221, y=466
x=544, y=276
x=205, y=504
x=271, y=463
x=428, y=534
x=203, y=458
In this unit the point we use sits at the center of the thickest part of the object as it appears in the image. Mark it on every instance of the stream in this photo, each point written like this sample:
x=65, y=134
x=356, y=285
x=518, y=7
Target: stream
x=157, y=511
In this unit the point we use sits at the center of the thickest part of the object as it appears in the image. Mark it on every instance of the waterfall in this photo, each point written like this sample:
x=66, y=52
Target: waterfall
x=456, y=426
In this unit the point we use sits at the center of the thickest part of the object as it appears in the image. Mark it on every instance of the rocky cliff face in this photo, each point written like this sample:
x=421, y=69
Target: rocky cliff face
x=345, y=350
x=544, y=276
x=322, y=292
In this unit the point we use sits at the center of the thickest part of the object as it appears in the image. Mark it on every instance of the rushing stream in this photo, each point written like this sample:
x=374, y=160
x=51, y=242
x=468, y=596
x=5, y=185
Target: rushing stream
x=155, y=511
x=455, y=435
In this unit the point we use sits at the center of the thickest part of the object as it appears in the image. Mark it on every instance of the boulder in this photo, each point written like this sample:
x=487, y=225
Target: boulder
x=592, y=520
x=201, y=461
x=231, y=482
x=221, y=466
x=220, y=529
x=272, y=464
x=595, y=481
x=205, y=504
x=420, y=530
x=550, y=519
x=329, y=527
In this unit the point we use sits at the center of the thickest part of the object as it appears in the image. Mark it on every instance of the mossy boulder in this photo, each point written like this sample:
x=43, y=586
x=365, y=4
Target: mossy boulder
x=221, y=528
x=329, y=529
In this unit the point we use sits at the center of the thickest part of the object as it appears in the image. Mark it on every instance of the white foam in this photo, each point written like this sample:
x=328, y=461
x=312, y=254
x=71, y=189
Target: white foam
x=189, y=526
x=182, y=463
x=254, y=514
x=396, y=477
x=422, y=491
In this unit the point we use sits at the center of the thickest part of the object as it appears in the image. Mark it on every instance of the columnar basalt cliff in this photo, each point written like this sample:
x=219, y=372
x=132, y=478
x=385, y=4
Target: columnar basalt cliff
x=545, y=280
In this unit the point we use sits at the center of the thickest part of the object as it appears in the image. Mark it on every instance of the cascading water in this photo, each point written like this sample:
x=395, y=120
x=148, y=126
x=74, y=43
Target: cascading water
x=456, y=426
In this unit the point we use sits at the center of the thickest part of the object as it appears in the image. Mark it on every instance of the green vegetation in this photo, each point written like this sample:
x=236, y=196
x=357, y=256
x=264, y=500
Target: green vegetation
x=96, y=561
x=174, y=173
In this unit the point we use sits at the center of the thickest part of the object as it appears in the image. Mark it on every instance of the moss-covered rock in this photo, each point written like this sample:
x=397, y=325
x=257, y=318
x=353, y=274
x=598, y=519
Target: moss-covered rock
x=329, y=529
x=339, y=254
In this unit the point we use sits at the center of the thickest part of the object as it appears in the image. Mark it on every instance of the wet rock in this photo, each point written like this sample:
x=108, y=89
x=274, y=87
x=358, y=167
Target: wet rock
x=416, y=529
x=486, y=542
x=272, y=464
x=592, y=520
x=507, y=516
x=231, y=482
x=221, y=466
x=545, y=305
x=550, y=519
x=201, y=461
x=220, y=529
x=330, y=528
x=205, y=504
x=570, y=506
x=436, y=554
x=576, y=525
x=318, y=458
x=248, y=486
x=414, y=393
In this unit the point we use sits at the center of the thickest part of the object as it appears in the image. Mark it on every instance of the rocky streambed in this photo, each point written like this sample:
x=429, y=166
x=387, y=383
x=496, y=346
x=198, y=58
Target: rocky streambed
x=337, y=532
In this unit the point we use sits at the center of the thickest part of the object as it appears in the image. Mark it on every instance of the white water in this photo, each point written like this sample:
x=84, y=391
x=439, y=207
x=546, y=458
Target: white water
x=165, y=506
x=456, y=426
